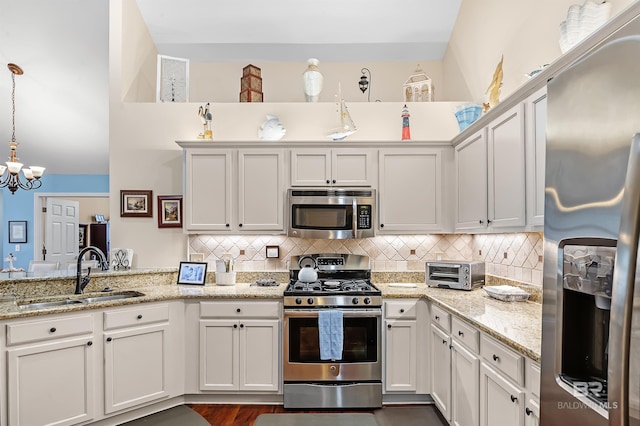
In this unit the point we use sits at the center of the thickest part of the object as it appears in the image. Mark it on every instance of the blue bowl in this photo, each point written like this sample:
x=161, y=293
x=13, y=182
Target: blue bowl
x=468, y=115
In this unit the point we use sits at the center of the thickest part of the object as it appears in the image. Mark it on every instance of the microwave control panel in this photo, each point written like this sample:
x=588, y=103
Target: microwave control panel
x=364, y=216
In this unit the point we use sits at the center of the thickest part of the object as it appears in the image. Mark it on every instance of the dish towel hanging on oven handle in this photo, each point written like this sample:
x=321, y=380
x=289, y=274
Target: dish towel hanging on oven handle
x=330, y=330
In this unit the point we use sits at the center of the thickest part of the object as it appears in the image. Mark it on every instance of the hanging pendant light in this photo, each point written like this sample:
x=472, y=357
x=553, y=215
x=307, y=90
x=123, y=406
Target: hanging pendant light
x=11, y=179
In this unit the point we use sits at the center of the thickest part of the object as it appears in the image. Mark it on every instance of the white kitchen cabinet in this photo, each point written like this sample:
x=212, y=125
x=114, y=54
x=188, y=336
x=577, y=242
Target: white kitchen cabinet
x=230, y=190
x=208, y=189
x=261, y=190
x=536, y=140
x=137, y=356
x=491, y=195
x=412, y=192
x=328, y=167
x=471, y=183
x=440, y=356
x=465, y=380
x=401, y=346
x=50, y=371
x=532, y=406
x=501, y=402
x=240, y=346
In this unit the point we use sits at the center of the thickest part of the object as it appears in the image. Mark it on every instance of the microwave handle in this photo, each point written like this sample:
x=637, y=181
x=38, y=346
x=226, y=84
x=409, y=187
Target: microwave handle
x=354, y=225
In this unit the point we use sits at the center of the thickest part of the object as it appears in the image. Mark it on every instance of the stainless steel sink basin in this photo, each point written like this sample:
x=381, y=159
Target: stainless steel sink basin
x=68, y=300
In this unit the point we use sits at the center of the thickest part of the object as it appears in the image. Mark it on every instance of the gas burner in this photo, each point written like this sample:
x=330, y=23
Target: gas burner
x=356, y=285
x=302, y=286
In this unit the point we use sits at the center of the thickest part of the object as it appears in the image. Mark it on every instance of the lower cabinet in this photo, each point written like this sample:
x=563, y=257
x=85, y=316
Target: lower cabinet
x=400, y=347
x=501, y=402
x=441, y=370
x=136, y=347
x=465, y=381
x=240, y=351
x=50, y=371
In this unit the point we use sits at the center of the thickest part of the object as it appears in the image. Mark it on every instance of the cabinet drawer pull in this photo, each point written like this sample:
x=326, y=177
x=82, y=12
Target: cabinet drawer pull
x=528, y=411
x=89, y=343
x=496, y=358
x=109, y=339
x=235, y=325
x=488, y=221
x=328, y=181
x=437, y=318
x=238, y=310
x=241, y=325
x=240, y=225
x=460, y=333
x=382, y=225
x=481, y=221
x=52, y=330
x=226, y=225
x=402, y=310
x=139, y=316
x=513, y=399
x=333, y=181
x=444, y=341
x=388, y=325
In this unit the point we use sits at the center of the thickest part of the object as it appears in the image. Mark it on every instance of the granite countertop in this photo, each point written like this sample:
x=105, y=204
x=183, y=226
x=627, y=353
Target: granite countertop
x=517, y=324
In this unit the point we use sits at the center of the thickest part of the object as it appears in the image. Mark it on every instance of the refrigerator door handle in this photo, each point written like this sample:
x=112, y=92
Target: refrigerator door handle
x=622, y=292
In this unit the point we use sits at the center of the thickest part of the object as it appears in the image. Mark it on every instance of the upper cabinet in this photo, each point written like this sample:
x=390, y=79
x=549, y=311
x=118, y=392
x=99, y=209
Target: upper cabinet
x=535, y=144
x=329, y=167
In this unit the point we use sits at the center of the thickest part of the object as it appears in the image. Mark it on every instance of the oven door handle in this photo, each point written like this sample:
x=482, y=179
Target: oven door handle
x=345, y=312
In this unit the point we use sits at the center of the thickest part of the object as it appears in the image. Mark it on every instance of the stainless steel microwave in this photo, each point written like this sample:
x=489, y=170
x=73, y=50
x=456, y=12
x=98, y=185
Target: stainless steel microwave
x=454, y=274
x=332, y=213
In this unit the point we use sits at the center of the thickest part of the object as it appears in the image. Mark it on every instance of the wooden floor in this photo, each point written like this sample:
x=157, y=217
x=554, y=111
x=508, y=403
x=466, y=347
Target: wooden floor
x=245, y=415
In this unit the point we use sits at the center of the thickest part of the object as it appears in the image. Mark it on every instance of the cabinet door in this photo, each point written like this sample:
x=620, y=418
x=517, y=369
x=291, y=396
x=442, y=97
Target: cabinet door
x=400, y=348
x=353, y=167
x=51, y=383
x=441, y=371
x=135, y=367
x=410, y=190
x=261, y=190
x=536, y=141
x=506, y=170
x=471, y=183
x=219, y=355
x=310, y=167
x=501, y=402
x=208, y=188
x=465, y=386
x=259, y=361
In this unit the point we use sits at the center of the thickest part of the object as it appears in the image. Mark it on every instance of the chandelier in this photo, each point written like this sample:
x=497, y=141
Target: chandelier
x=11, y=179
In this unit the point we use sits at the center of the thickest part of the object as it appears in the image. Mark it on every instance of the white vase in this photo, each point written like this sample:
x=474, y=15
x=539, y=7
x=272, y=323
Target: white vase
x=312, y=80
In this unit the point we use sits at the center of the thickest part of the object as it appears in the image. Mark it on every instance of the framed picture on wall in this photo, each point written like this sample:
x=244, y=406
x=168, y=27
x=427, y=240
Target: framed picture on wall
x=17, y=231
x=169, y=211
x=136, y=203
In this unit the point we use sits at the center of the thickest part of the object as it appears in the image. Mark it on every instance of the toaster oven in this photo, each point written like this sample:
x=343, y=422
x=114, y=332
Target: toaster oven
x=454, y=274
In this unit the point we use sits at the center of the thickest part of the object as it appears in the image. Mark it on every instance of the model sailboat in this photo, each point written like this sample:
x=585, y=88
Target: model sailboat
x=346, y=126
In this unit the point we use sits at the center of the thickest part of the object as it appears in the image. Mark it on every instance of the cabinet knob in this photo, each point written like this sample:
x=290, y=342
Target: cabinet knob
x=402, y=310
x=444, y=341
x=89, y=343
x=238, y=310
x=235, y=325
x=460, y=333
x=496, y=357
x=388, y=325
x=226, y=225
x=437, y=318
x=241, y=325
x=382, y=225
x=488, y=221
x=239, y=225
x=528, y=411
x=481, y=221
x=52, y=330
x=328, y=181
x=333, y=181
x=139, y=316
x=513, y=399
x=109, y=339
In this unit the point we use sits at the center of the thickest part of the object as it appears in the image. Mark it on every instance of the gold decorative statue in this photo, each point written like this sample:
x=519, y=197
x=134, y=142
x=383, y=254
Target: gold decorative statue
x=494, y=88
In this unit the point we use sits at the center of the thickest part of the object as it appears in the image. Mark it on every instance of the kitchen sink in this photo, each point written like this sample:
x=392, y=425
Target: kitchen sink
x=70, y=301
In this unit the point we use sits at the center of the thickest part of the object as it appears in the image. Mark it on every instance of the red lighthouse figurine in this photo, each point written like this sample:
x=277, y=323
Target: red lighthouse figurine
x=406, y=130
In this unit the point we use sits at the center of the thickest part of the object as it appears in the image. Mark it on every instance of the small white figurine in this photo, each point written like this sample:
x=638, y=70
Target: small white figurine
x=272, y=129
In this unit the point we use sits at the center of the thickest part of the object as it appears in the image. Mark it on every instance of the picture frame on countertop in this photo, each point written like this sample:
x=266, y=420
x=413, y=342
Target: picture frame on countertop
x=169, y=211
x=193, y=273
x=136, y=203
x=17, y=231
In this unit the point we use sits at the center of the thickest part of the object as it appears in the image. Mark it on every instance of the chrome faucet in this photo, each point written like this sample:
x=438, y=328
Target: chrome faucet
x=82, y=282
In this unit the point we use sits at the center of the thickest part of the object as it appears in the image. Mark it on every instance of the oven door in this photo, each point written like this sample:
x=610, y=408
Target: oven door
x=361, y=355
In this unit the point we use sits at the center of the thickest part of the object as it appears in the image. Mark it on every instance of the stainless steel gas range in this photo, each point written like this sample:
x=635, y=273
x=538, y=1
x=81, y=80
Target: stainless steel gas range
x=350, y=377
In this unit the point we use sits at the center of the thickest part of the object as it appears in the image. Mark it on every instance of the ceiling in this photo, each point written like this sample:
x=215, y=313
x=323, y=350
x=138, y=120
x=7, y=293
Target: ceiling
x=294, y=30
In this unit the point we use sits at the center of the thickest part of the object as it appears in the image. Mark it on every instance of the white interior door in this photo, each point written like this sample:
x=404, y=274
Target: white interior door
x=61, y=230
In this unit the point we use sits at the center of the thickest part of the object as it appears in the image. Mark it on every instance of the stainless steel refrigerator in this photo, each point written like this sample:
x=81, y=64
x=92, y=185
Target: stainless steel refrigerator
x=591, y=312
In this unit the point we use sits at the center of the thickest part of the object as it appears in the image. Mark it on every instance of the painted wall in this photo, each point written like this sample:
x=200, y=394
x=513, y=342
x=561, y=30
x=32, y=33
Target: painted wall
x=526, y=32
x=20, y=206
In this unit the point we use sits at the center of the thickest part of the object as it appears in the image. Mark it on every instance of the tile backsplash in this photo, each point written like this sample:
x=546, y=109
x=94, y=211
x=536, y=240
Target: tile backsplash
x=515, y=256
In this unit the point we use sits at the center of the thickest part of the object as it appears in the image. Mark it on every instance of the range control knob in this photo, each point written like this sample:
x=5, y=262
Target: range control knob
x=367, y=301
x=298, y=301
x=355, y=300
x=310, y=300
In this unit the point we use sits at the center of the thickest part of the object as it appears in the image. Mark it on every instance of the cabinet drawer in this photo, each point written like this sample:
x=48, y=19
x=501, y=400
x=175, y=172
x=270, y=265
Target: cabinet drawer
x=51, y=328
x=465, y=334
x=441, y=317
x=405, y=309
x=498, y=355
x=239, y=309
x=532, y=377
x=140, y=315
